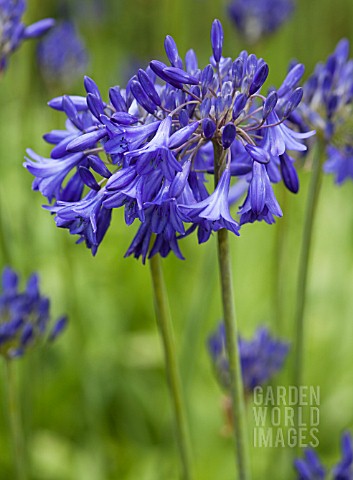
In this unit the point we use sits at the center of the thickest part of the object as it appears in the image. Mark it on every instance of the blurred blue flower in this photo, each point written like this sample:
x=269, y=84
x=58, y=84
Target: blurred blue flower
x=257, y=18
x=62, y=55
x=13, y=32
x=150, y=149
x=261, y=357
x=24, y=316
x=310, y=467
x=327, y=106
x=340, y=162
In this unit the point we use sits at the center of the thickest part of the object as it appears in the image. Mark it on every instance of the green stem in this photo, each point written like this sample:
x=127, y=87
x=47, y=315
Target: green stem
x=310, y=213
x=165, y=327
x=15, y=423
x=231, y=329
x=237, y=390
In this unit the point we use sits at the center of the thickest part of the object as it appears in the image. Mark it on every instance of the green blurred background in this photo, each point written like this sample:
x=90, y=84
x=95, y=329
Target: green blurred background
x=96, y=405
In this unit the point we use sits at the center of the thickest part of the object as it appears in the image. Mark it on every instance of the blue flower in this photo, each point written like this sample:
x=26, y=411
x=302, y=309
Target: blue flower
x=344, y=469
x=24, y=316
x=310, y=467
x=51, y=173
x=87, y=218
x=280, y=138
x=327, y=106
x=257, y=18
x=260, y=203
x=62, y=56
x=261, y=358
x=13, y=31
x=157, y=225
x=150, y=148
x=339, y=162
x=156, y=154
x=124, y=138
x=215, y=208
x=63, y=166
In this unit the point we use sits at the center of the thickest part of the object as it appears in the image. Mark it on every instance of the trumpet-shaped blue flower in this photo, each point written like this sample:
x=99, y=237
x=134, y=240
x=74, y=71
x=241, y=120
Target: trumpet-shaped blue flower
x=311, y=468
x=50, y=173
x=88, y=218
x=260, y=203
x=214, y=208
x=162, y=223
x=280, y=138
x=150, y=148
x=13, y=31
x=261, y=357
x=124, y=139
x=156, y=154
x=24, y=316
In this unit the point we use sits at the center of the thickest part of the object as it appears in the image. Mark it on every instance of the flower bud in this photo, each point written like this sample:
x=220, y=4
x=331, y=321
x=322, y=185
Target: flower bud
x=217, y=39
x=208, y=127
x=239, y=104
x=148, y=87
x=269, y=105
x=259, y=79
x=141, y=97
x=257, y=153
x=228, y=135
x=88, y=178
x=172, y=52
x=178, y=75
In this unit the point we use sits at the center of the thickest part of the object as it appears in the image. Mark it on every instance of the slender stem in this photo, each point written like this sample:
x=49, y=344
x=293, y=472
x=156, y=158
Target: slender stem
x=15, y=423
x=165, y=327
x=230, y=322
x=311, y=207
x=237, y=393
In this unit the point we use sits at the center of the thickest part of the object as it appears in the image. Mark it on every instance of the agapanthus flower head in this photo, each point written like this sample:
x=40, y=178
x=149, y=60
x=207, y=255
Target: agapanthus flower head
x=261, y=357
x=24, y=316
x=154, y=147
x=311, y=468
x=258, y=18
x=62, y=55
x=328, y=107
x=13, y=32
